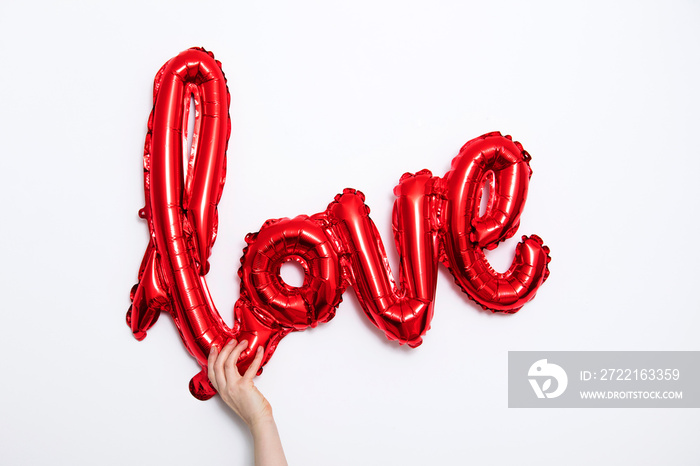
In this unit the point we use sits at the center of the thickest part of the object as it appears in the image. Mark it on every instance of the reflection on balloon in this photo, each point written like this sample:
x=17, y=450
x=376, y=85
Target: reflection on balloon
x=435, y=219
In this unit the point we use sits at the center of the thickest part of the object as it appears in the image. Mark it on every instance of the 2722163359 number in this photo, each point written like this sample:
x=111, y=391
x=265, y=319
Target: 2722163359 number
x=639, y=374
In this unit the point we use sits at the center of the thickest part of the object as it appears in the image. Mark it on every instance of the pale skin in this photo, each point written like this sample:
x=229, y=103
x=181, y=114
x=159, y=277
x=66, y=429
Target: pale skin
x=240, y=394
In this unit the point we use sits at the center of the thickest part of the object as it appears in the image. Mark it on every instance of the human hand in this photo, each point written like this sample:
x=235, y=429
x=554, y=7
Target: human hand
x=239, y=392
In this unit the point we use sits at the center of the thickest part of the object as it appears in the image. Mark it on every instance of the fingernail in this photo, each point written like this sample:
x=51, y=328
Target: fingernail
x=260, y=349
x=231, y=342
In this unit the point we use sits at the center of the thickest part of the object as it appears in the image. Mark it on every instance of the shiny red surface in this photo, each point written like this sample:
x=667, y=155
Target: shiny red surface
x=434, y=219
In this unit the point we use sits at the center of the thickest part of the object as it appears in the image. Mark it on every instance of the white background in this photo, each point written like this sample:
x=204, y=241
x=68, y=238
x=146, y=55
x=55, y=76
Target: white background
x=328, y=95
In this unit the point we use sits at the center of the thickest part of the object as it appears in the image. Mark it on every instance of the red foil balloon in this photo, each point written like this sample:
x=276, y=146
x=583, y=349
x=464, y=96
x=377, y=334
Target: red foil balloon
x=434, y=219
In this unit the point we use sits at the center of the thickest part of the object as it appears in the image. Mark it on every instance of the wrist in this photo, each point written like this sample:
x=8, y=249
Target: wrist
x=262, y=422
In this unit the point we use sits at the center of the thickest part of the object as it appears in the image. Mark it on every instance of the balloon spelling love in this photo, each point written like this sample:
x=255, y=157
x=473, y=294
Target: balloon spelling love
x=434, y=220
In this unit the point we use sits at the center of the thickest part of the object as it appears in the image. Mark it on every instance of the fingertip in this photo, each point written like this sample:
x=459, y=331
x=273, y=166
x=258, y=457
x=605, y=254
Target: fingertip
x=212, y=355
x=254, y=367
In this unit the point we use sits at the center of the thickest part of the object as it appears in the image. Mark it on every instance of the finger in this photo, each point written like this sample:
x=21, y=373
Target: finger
x=255, y=365
x=213, y=353
x=219, y=370
x=232, y=360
